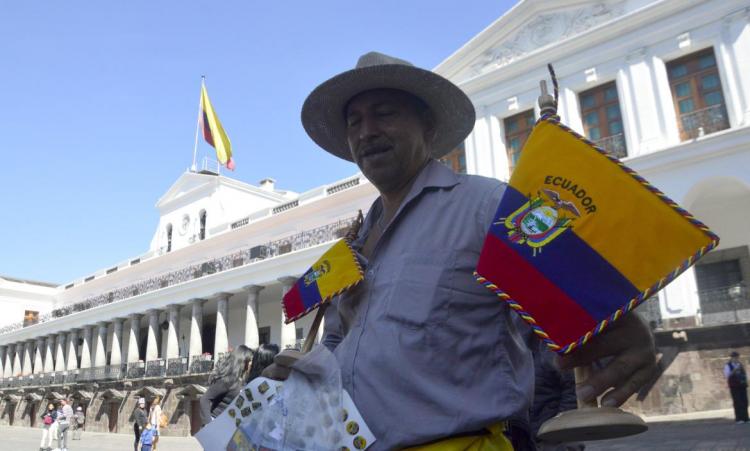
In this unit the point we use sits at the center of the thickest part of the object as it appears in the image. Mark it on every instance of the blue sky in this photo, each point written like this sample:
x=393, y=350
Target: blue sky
x=100, y=102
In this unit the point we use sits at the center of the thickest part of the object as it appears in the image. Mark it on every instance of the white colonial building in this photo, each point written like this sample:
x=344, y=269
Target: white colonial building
x=662, y=84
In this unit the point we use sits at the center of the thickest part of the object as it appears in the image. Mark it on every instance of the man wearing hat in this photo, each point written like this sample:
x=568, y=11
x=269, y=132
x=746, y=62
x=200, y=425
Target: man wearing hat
x=430, y=357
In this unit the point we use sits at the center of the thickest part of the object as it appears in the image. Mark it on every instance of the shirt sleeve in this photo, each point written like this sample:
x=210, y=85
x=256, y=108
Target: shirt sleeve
x=727, y=371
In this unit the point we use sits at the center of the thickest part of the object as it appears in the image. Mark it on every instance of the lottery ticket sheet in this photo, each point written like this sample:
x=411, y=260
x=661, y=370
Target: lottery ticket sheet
x=332, y=423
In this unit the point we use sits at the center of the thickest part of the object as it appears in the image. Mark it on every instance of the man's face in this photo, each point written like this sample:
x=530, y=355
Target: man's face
x=388, y=136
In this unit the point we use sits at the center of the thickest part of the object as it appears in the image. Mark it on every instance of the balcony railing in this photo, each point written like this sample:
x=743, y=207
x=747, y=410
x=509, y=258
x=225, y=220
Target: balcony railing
x=201, y=364
x=704, y=121
x=156, y=368
x=613, y=145
x=177, y=367
x=136, y=370
x=246, y=256
x=730, y=304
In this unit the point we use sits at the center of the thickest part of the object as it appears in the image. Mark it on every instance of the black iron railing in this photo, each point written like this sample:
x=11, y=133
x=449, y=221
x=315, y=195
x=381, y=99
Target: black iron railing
x=201, y=364
x=177, y=366
x=704, y=121
x=156, y=368
x=302, y=240
x=614, y=145
x=136, y=370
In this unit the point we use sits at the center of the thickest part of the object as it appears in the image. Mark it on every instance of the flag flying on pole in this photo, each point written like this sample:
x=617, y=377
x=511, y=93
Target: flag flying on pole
x=213, y=132
x=335, y=271
x=579, y=239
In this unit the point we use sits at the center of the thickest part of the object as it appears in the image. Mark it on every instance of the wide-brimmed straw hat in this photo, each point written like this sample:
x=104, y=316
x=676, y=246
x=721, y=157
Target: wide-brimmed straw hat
x=323, y=110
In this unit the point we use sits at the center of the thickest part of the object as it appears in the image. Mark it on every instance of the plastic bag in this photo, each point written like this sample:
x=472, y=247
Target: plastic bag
x=306, y=409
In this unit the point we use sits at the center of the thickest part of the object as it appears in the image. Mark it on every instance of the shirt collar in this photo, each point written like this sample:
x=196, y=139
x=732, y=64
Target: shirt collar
x=433, y=175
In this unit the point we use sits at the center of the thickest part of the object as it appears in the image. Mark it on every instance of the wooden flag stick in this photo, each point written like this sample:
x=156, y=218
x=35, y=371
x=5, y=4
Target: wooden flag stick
x=310, y=340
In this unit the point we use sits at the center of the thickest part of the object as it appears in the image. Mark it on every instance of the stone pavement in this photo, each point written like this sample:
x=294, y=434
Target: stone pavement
x=695, y=435
x=27, y=439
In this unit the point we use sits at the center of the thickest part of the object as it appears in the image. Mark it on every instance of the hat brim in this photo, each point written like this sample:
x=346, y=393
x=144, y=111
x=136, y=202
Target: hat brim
x=323, y=110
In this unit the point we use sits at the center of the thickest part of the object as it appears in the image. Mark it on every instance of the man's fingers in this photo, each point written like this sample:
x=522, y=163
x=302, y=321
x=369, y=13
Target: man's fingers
x=618, y=396
x=276, y=372
x=628, y=332
x=626, y=373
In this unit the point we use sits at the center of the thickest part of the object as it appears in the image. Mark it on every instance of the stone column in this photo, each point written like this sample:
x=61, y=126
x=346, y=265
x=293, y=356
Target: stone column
x=72, y=348
x=86, y=348
x=17, y=370
x=3, y=352
x=196, y=327
x=135, y=326
x=49, y=354
x=173, y=346
x=60, y=355
x=8, y=367
x=100, y=350
x=288, y=331
x=115, y=357
x=26, y=366
x=221, y=340
x=152, y=343
x=38, y=359
x=251, y=316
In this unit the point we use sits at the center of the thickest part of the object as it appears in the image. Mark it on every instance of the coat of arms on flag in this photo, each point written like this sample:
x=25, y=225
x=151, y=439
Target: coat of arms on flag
x=579, y=239
x=335, y=271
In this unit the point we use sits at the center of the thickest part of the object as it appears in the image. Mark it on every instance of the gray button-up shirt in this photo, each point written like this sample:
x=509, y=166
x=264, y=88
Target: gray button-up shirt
x=425, y=351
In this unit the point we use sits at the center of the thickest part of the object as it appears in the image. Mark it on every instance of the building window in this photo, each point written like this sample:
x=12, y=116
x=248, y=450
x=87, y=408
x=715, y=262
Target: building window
x=602, y=120
x=721, y=287
x=456, y=159
x=202, y=233
x=169, y=237
x=517, y=130
x=696, y=92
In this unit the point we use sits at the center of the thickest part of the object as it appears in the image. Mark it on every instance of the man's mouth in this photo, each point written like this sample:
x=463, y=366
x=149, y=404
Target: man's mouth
x=375, y=150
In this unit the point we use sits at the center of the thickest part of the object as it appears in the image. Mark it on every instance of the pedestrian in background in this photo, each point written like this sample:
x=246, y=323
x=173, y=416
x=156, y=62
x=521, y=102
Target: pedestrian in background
x=140, y=421
x=154, y=419
x=48, y=421
x=737, y=381
x=79, y=419
x=148, y=438
x=64, y=417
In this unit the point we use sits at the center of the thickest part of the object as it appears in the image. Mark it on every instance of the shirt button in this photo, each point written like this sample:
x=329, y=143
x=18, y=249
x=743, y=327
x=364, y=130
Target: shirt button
x=370, y=273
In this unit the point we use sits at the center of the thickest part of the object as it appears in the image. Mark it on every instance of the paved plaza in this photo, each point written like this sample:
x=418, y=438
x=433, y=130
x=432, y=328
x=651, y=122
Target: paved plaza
x=699, y=435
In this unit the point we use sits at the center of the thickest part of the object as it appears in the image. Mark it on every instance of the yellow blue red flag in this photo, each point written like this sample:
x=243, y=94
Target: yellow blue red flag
x=579, y=239
x=334, y=272
x=213, y=132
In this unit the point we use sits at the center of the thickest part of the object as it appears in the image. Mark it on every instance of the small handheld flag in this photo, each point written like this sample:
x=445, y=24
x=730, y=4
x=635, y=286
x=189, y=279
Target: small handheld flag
x=335, y=271
x=579, y=239
x=213, y=132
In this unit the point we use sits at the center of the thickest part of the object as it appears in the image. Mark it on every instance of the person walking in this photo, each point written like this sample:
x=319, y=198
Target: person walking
x=48, y=420
x=79, y=419
x=737, y=381
x=64, y=417
x=154, y=419
x=231, y=375
x=140, y=421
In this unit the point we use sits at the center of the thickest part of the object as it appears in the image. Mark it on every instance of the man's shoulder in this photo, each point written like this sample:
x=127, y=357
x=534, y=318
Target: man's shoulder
x=478, y=185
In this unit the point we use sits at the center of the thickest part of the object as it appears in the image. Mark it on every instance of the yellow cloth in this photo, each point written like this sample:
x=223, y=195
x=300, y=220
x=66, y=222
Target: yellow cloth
x=494, y=441
x=220, y=139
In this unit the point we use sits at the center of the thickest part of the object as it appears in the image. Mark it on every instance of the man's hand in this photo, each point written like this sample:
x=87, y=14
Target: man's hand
x=631, y=345
x=282, y=365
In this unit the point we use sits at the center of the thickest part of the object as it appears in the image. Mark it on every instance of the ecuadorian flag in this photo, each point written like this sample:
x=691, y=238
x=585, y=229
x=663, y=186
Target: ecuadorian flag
x=579, y=239
x=334, y=272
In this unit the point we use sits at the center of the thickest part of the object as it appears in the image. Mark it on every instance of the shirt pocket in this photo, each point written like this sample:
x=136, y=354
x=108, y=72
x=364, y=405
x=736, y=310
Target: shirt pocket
x=420, y=293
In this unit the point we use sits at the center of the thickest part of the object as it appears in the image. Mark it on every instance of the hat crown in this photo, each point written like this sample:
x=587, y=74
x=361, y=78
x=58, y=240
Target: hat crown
x=370, y=59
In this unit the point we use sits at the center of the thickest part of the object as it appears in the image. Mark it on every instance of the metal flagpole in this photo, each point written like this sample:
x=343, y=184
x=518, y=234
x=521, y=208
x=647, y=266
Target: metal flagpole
x=198, y=123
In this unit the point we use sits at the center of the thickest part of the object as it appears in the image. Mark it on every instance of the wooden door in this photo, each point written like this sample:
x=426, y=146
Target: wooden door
x=112, y=414
x=195, y=416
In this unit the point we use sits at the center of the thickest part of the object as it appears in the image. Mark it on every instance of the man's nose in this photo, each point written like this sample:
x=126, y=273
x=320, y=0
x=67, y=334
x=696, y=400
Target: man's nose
x=369, y=128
